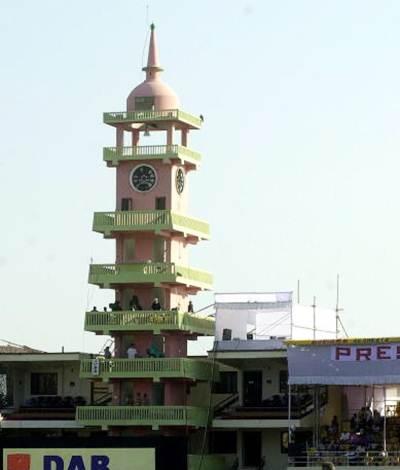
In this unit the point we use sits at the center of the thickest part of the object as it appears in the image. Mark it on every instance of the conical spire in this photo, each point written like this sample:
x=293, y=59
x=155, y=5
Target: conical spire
x=153, y=64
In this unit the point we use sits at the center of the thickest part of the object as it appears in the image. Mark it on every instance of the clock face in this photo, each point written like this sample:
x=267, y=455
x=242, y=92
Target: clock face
x=143, y=178
x=180, y=180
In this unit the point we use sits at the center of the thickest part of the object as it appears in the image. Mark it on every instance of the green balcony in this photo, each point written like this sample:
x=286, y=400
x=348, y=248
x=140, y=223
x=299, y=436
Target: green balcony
x=114, y=155
x=104, y=323
x=154, y=416
x=149, y=221
x=150, y=368
x=181, y=119
x=106, y=275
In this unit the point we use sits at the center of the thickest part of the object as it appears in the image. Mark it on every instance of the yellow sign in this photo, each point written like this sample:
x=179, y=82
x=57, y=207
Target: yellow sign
x=79, y=459
x=333, y=342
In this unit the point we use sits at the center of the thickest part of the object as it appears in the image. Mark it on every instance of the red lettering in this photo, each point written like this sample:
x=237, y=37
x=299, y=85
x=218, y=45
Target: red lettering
x=381, y=352
x=342, y=352
x=363, y=354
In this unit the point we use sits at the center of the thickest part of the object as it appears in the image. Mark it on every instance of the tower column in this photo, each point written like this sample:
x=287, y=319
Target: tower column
x=170, y=134
x=119, y=137
x=135, y=137
x=184, y=137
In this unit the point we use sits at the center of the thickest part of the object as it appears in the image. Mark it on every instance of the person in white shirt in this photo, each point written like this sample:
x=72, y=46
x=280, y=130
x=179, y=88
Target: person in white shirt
x=131, y=352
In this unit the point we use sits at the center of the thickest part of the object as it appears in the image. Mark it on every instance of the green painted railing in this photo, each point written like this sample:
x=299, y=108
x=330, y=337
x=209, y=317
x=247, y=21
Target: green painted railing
x=107, y=274
x=157, y=220
x=145, y=116
x=157, y=321
x=189, y=223
x=155, y=368
x=206, y=462
x=154, y=416
x=116, y=154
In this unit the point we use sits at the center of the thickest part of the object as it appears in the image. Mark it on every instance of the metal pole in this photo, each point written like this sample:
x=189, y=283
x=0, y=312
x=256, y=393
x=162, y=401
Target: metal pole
x=289, y=413
x=314, y=319
x=337, y=306
x=315, y=416
x=384, y=419
x=298, y=291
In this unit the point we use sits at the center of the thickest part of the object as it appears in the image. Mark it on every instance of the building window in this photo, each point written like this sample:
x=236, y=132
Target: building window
x=283, y=381
x=44, y=383
x=227, y=383
x=223, y=442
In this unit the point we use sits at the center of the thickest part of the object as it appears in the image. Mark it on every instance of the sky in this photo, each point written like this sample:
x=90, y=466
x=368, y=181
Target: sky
x=300, y=149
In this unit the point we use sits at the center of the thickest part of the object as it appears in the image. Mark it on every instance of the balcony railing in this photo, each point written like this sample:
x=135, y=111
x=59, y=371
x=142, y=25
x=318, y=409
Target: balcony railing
x=106, y=274
x=149, y=116
x=148, y=220
x=117, y=154
x=154, y=368
x=349, y=458
x=157, y=321
x=154, y=416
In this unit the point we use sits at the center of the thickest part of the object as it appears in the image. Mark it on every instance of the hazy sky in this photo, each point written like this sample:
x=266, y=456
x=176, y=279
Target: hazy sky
x=300, y=174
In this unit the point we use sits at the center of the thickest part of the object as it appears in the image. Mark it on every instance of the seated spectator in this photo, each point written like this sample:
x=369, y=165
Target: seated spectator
x=334, y=428
x=153, y=351
x=376, y=421
x=353, y=423
x=156, y=304
x=146, y=401
x=94, y=309
x=116, y=306
x=131, y=352
x=138, y=399
x=134, y=303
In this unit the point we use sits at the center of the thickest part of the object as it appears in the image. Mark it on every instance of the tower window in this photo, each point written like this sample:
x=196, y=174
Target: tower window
x=126, y=204
x=161, y=203
x=144, y=103
x=129, y=249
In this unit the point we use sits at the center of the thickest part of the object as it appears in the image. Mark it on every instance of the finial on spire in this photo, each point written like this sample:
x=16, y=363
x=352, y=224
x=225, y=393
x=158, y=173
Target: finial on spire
x=153, y=65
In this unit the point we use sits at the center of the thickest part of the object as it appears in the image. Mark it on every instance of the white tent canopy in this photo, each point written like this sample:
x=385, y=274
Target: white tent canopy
x=270, y=314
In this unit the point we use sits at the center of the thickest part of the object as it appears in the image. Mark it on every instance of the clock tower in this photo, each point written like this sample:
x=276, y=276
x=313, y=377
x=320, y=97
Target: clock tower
x=152, y=317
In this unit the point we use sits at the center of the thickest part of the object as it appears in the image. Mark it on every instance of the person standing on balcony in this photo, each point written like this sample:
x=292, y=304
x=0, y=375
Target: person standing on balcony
x=190, y=307
x=156, y=304
x=134, y=303
x=131, y=352
x=107, y=353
